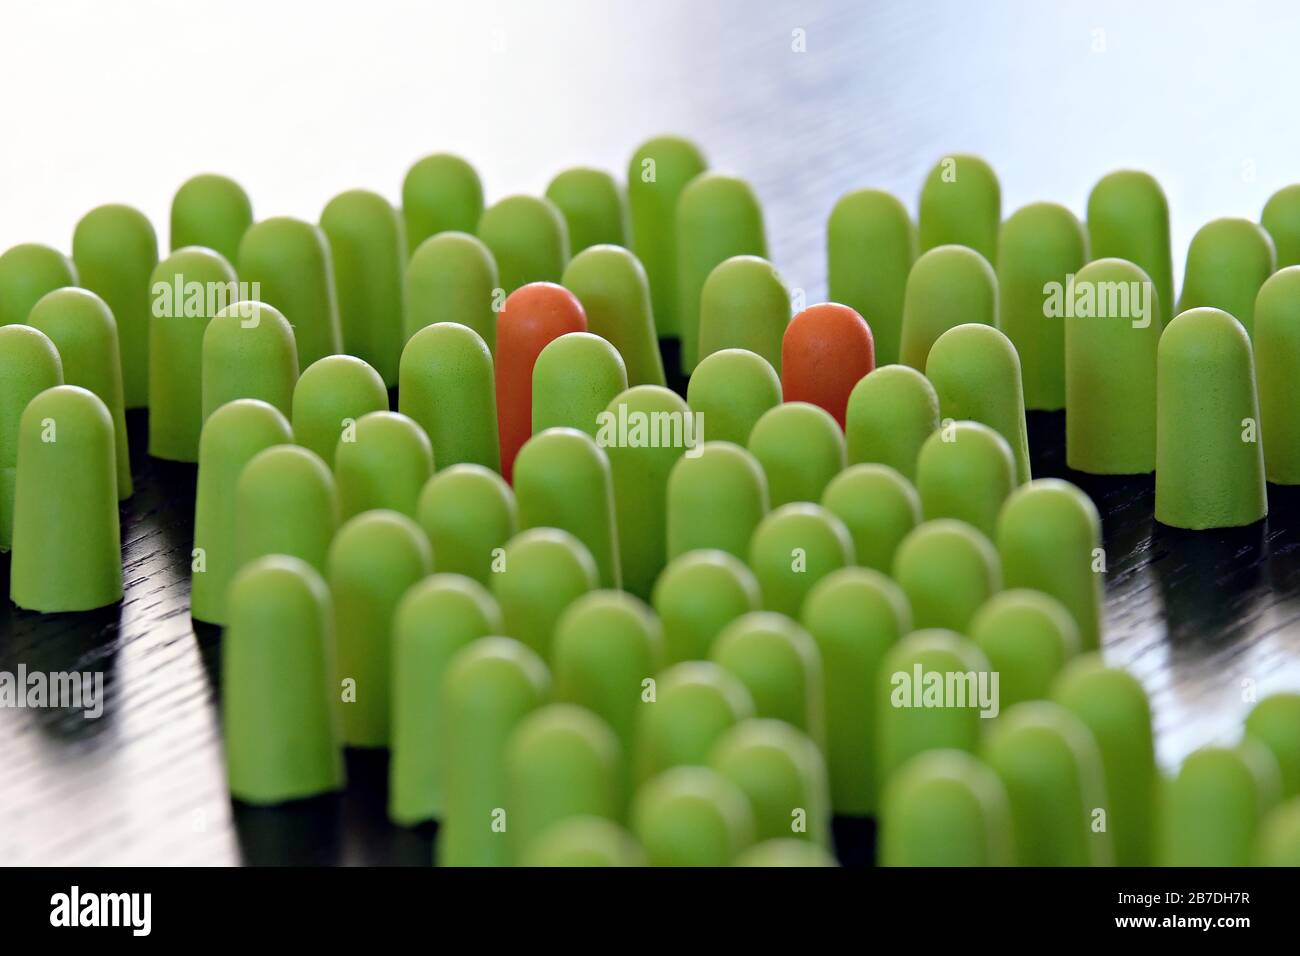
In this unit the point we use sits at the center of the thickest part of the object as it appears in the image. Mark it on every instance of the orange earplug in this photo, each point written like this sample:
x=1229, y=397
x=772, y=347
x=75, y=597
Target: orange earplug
x=827, y=348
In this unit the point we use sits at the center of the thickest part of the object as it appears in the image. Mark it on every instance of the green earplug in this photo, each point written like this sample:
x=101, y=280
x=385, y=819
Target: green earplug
x=641, y=468
x=290, y=261
x=778, y=662
x=575, y=377
x=1209, y=464
x=718, y=216
x=369, y=254
x=1227, y=261
x=1128, y=218
x=561, y=762
x=249, y=352
x=1113, y=706
x=447, y=386
x=692, y=816
x=592, y=206
x=231, y=437
x=452, y=277
x=330, y=397
x=67, y=553
x=947, y=569
x=608, y=645
x=961, y=203
x=744, y=305
x=277, y=684
x=441, y=193
x=584, y=841
x=949, y=286
x=878, y=506
x=1052, y=770
x=29, y=364
x=1275, y=722
x=785, y=853
x=855, y=616
x=965, y=471
x=1211, y=812
x=1277, y=356
x=27, y=273
x=612, y=286
x=116, y=250
x=698, y=595
x=383, y=461
x=891, y=412
x=374, y=559
x=1281, y=217
x=715, y=500
x=731, y=390
x=932, y=690
x=1110, y=371
x=1279, y=837
x=285, y=503
x=176, y=329
x=1040, y=244
x=656, y=175
x=870, y=248
x=210, y=211
x=695, y=703
x=528, y=238
x=946, y=808
x=542, y=571
x=793, y=548
x=1028, y=638
x=469, y=514
x=490, y=686
x=435, y=619
x=801, y=448
x=81, y=327
x=781, y=772
x=1049, y=540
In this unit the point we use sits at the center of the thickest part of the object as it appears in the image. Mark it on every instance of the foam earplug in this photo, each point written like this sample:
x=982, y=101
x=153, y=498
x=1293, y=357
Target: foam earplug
x=692, y=816
x=947, y=569
x=584, y=842
x=434, y=620
x=368, y=250
x=698, y=595
x=210, y=211
x=948, y=286
x=718, y=217
x=891, y=412
x=1277, y=356
x=277, y=685
x=489, y=687
x=592, y=206
x=1278, y=843
x=115, y=249
x=965, y=471
x=249, y=352
x=67, y=553
x=826, y=351
x=332, y=395
x=231, y=437
x=855, y=616
x=961, y=203
x=1281, y=217
x=383, y=461
x=1028, y=638
x=1227, y=261
x=452, y=277
x=1049, y=540
x=1128, y=218
x=576, y=376
x=285, y=503
x=82, y=328
x=778, y=662
x=374, y=559
x=1110, y=374
x=1211, y=811
x=785, y=853
x=976, y=374
x=469, y=513
x=290, y=261
x=611, y=284
x=1040, y=244
x=1275, y=722
x=801, y=449
x=743, y=305
x=27, y=272
x=656, y=175
x=870, y=247
x=793, y=548
x=695, y=703
x=878, y=506
x=440, y=193
x=732, y=390
x=528, y=240
x=447, y=387
x=715, y=500
x=29, y=364
x=1209, y=463
x=542, y=572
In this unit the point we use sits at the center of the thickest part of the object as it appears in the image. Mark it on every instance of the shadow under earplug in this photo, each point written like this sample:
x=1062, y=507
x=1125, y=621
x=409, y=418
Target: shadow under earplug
x=299, y=833
x=1212, y=583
